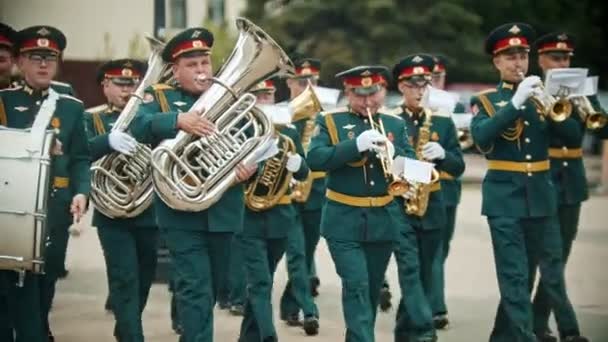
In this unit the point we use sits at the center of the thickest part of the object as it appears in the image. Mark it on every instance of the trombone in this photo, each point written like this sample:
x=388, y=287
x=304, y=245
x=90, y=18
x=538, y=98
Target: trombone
x=557, y=109
x=396, y=187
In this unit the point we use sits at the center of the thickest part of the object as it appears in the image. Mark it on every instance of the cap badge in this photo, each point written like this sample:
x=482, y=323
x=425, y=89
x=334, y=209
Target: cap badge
x=515, y=29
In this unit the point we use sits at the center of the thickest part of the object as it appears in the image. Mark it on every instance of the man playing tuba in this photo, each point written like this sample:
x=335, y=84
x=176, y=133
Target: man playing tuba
x=199, y=242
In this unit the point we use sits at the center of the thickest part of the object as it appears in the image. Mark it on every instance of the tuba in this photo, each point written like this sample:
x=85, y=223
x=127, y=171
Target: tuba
x=305, y=106
x=191, y=173
x=418, y=204
x=272, y=182
x=593, y=119
x=121, y=186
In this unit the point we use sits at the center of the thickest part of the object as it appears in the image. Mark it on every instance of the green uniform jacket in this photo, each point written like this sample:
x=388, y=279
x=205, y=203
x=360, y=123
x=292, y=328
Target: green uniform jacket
x=443, y=131
x=452, y=188
x=69, y=171
x=98, y=125
x=152, y=125
x=334, y=150
x=508, y=193
x=277, y=221
x=317, y=193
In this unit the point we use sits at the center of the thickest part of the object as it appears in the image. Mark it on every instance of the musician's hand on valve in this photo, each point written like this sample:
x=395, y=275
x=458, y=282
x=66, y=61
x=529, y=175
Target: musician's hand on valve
x=122, y=142
x=192, y=123
x=433, y=151
x=78, y=207
x=530, y=86
x=387, y=150
x=244, y=172
x=294, y=161
x=370, y=140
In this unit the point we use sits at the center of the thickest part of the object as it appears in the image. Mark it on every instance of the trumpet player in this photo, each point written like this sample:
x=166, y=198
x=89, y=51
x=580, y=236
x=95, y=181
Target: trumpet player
x=198, y=242
x=518, y=194
x=301, y=243
x=270, y=221
x=129, y=244
x=361, y=221
x=433, y=136
x=39, y=50
x=555, y=50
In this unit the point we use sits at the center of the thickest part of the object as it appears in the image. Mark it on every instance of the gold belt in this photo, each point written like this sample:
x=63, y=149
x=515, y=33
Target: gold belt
x=286, y=199
x=356, y=201
x=435, y=186
x=445, y=176
x=317, y=174
x=505, y=165
x=565, y=153
x=61, y=182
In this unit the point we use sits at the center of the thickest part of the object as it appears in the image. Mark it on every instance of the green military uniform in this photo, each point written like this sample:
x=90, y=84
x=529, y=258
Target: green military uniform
x=129, y=244
x=360, y=221
x=199, y=242
x=519, y=197
x=70, y=173
x=302, y=243
x=415, y=70
x=265, y=237
x=451, y=187
x=568, y=174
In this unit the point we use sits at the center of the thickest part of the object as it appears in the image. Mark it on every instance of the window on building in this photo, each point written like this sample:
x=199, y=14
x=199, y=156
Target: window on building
x=216, y=11
x=177, y=14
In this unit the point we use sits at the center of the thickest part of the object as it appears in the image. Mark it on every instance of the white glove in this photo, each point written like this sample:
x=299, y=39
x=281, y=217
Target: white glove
x=433, y=151
x=293, y=162
x=122, y=142
x=370, y=140
x=411, y=191
x=528, y=87
x=387, y=151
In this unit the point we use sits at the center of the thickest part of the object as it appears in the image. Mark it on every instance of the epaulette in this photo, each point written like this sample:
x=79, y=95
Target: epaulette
x=12, y=88
x=486, y=91
x=395, y=111
x=161, y=86
x=97, y=109
x=342, y=109
x=64, y=96
x=61, y=84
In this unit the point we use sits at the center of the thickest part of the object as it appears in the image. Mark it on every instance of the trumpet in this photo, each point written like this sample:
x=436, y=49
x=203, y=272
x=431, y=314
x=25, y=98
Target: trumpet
x=557, y=109
x=465, y=139
x=592, y=118
x=396, y=187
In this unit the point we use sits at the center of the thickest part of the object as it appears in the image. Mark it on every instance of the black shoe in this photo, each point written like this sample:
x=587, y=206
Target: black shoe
x=314, y=286
x=51, y=338
x=311, y=325
x=441, y=322
x=385, y=299
x=237, y=310
x=223, y=305
x=63, y=274
x=292, y=320
x=108, y=306
x=575, y=339
x=546, y=337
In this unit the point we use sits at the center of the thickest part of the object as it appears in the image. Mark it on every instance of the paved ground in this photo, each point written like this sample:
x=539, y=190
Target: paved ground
x=78, y=313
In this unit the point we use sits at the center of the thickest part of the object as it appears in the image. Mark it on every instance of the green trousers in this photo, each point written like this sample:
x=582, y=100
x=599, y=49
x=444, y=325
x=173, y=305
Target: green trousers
x=437, y=297
x=199, y=264
x=311, y=221
x=520, y=246
x=296, y=295
x=261, y=259
x=361, y=267
x=568, y=216
x=20, y=314
x=237, y=279
x=414, y=318
x=130, y=255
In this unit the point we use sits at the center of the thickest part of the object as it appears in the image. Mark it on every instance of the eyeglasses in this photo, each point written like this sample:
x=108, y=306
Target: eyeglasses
x=38, y=59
